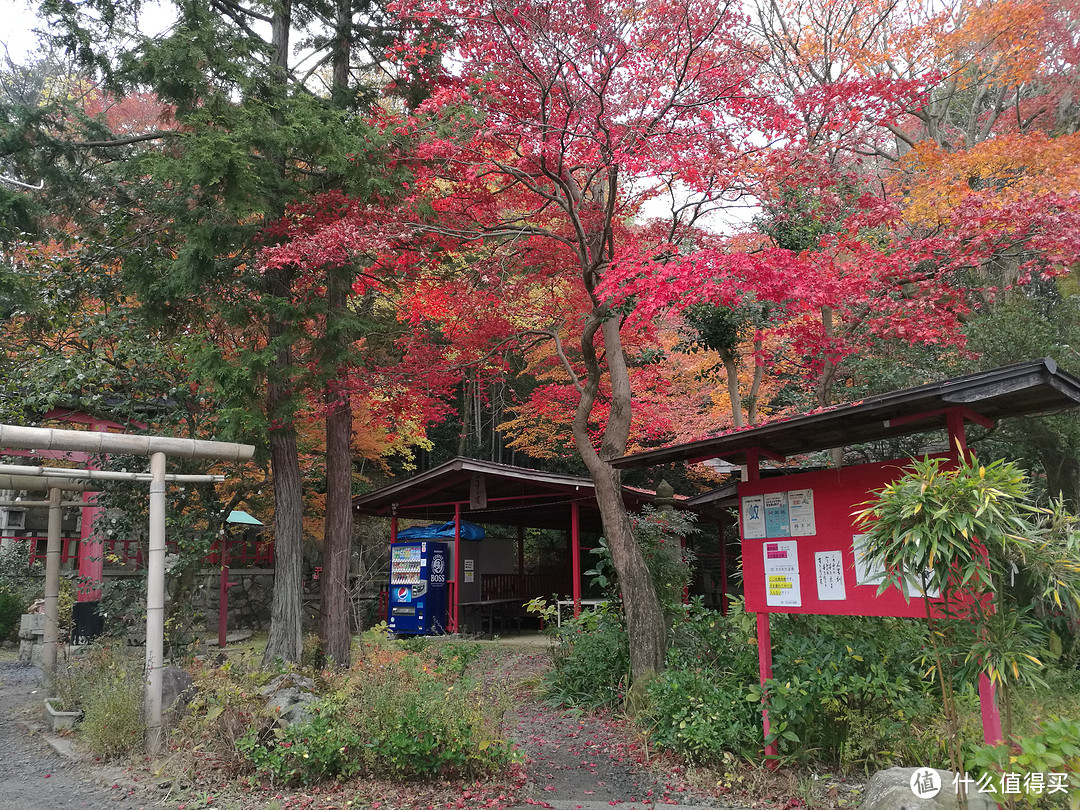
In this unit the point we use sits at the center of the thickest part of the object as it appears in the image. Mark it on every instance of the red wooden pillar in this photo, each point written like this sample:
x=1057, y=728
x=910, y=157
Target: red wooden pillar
x=988, y=706
x=764, y=638
x=575, y=550
x=455, y=593
x=91, y=550
x=723, y=570
x=91, y=553
x=521, y=549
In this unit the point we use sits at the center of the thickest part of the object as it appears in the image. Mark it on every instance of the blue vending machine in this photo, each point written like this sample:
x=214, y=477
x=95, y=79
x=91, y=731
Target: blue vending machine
x=417, y=604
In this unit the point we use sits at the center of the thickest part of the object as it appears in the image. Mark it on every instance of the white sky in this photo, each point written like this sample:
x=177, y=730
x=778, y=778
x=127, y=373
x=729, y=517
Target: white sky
x=19, y=40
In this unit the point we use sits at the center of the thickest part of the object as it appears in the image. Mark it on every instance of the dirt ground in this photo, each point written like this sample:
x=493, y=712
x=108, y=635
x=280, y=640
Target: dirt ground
x=33, y=774
x=569, y=761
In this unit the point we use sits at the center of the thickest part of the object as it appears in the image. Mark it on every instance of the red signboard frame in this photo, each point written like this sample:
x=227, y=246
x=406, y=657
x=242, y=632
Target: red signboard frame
x=837, y=494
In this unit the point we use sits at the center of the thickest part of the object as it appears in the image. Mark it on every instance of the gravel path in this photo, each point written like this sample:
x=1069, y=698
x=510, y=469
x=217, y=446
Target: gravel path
x=32, y=774
x=577, y=760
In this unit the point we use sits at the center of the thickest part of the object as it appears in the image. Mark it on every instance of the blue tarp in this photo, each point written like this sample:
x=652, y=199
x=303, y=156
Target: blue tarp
x=440, y=531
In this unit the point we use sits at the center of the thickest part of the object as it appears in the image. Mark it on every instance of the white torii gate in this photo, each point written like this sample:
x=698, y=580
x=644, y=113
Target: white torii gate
x=158, y=448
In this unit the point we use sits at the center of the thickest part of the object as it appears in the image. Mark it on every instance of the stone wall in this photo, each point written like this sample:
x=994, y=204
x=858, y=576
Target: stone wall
x=249, y=599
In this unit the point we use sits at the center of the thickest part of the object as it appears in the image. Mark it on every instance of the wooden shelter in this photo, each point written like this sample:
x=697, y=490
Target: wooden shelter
x=501, y=495
x=1035, y=387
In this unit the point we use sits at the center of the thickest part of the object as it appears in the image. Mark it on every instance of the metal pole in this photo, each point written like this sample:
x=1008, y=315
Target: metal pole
x=52, y=591
x=155, y=605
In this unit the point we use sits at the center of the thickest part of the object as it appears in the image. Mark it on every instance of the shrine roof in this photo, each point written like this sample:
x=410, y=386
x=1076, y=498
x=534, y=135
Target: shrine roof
x=1034, y=387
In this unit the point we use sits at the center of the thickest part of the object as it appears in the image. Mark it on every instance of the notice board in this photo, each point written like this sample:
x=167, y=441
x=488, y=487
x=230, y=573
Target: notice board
x=801, y=548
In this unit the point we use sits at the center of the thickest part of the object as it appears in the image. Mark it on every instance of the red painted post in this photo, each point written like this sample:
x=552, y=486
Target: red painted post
x=521, y=549
x=91, y=553
x=223, y=601
x=957, y=435
x=575, y=550
x=457, y=565
x=991, y=715
x=764, y=641
x=723, y=572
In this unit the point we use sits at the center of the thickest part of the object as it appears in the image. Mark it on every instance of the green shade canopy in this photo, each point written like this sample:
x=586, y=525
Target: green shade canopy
x=239, y=516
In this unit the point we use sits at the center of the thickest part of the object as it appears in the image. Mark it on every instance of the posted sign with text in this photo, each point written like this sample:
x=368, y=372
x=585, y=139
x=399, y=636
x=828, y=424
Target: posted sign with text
x=802, y=550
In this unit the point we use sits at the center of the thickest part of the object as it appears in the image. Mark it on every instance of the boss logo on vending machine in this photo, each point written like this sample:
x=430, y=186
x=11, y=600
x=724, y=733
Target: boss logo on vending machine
x=438, y=568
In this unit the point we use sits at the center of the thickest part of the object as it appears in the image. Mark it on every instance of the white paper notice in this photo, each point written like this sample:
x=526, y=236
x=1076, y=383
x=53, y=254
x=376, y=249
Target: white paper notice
x=829, y=568
x=865, y=574
x=782, y=574
x=913, y=587
x=801, y=512
x=753, y=517
x=777, y=523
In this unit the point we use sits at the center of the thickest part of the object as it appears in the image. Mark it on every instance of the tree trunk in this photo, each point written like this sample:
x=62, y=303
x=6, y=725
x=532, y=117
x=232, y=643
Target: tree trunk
x=286, y=641
x=644, y=616
x=755, y=386
x=731, y=371
x=334, y=584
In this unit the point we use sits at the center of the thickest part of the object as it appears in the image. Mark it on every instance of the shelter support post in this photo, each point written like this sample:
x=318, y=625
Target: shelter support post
x=155, y=605
x=456, y=593
x=575, y=551
x=764, y=641
x=91, y=552
x=991, y=716
x=723, y=570
x=521, y=548
x=51, y=636
x=223, y=600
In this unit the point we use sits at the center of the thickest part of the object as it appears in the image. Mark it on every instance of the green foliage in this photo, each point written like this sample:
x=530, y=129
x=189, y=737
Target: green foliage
x=12, y=606
x=106, y=682
x=1052, y=748
x=591, y=660
x=697, y=707
x=701, y=713
x=326, y=747
x=398, y=714
x=964, y=532
x=659, y=533
x=18, y=577
x=846, y=690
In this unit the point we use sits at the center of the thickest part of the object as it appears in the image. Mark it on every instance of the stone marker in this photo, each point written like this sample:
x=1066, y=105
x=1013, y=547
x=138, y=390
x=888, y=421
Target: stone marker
x=917, y=789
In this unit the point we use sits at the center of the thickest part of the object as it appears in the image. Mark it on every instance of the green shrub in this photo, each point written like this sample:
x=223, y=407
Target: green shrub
x=11, y=609
x=846, y=690
x=20, y=585
x=398, y=713
x=590, y=661
x=697, y=707
x=326, y=747
x=108, y=687
x=701, y=712
x=1052, y=748
x=422, y=716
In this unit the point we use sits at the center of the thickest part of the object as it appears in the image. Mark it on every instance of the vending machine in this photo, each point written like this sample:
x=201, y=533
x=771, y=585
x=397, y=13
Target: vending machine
x=418, y=574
